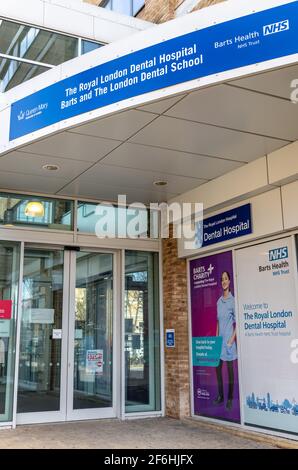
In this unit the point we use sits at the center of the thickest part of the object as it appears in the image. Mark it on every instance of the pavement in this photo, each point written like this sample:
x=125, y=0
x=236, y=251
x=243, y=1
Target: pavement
x=150, y=433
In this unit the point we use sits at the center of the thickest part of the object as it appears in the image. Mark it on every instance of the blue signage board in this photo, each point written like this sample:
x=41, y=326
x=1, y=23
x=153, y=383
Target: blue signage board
x=228, y=225
x=240, y=42
x=170, y=338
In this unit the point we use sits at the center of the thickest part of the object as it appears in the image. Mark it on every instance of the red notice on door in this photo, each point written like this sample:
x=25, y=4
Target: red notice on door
x=5, y=309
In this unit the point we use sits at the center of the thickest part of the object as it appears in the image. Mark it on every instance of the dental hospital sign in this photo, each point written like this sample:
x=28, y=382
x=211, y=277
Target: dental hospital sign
x=225, y=226
x=132, y=75
x=237, y=43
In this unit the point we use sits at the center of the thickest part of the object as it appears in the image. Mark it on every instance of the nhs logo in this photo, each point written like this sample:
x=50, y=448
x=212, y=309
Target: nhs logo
x=276, y=27
x=278, y=253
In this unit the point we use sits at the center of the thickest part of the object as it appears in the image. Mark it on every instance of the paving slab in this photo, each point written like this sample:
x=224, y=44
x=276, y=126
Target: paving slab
x=155, y=433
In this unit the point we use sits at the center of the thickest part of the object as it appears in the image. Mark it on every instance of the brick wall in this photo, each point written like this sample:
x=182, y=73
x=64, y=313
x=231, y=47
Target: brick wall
x=177, y=391
x=157, y=11
x=206, y=3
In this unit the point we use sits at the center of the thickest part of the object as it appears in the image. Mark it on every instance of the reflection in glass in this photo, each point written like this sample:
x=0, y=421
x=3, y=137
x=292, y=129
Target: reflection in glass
x=93, y=363
x=14, y=72
x=115, y=221
x=57, y=213
x=35, y=44
x=9, y=278
x=142, y=332
x=137, y=6
x=126, y=7
x=88, y=46
x=19, y=42
x=40, y=352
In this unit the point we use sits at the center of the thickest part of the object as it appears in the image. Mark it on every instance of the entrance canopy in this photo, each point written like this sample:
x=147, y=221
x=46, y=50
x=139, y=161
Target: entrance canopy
x=158, y=107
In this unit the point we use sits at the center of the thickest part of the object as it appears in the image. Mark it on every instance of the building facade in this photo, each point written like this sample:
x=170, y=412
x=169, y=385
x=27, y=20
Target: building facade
x=156, y=11
x=98, y=318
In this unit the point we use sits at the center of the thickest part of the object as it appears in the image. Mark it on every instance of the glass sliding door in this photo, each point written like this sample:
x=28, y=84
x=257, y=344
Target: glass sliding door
x=41, y=362
x=91, y=337
x=142, y=332
x=9, y=281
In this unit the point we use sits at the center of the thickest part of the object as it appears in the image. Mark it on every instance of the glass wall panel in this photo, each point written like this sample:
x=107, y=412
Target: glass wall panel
x=142, y=332
x=40, y=350
x=122, y=6
x=122, y=222
x=126, y=7
x=137, y=6
x=36, y=44
x=33, y=211
x=14, y=72
x=93, y=345
x=9, y=279
x=88, y=46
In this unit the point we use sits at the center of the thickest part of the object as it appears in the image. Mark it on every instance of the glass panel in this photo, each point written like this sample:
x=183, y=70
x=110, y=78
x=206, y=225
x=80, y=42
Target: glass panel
x=88, y=46
x=126, y=7
x=13, y=72
x=137, y=6
x=107, y=4
x=24, y=210
x=122, y=6
x=142, y=332
x=117, y=221
x=93, y=346
x=40, y=350
x=36, y=44
x=9, y=278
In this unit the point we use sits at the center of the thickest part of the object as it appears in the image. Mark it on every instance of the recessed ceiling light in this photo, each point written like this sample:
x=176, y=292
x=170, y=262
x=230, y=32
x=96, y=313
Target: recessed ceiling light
x=160, y=183
x=50, y=167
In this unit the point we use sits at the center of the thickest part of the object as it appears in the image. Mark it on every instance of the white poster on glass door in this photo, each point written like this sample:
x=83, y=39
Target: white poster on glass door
x=268, y=325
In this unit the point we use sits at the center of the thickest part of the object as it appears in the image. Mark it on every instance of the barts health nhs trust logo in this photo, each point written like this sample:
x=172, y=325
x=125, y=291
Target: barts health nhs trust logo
x=278, y=27
x=32, y=113
x=278, y=253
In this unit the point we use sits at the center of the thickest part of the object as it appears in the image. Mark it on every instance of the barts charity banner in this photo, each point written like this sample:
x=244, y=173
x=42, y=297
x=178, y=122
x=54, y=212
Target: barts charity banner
x=214, y=341
x=268, y=324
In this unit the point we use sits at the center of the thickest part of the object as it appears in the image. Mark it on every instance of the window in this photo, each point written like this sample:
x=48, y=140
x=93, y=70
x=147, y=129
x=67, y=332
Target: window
x=88, y=46
x=126, y=7
x=14, y=72
x=137, y=6
x=111, y=220
x=22, y=210
x=142, y=332
x=27, y=51
x=27, y=42
x=9, y=280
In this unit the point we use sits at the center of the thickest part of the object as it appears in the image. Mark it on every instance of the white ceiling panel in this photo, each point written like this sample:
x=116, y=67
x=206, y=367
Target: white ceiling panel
x=32, y=164
x=94, y=190
x=132, y=178
x=30, y=183
x=74, y=146
x=275, y=83
x=169, y=161
x=244, y=110
x=161, y=106
x=188, y=136
x=119, y=127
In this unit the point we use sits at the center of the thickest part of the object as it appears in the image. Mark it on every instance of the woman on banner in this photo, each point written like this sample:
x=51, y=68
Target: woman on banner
x=227, y=330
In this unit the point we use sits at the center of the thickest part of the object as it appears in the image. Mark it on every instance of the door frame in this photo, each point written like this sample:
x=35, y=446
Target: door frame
x=91, y=413
x=66, y=413
x=44, y=416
